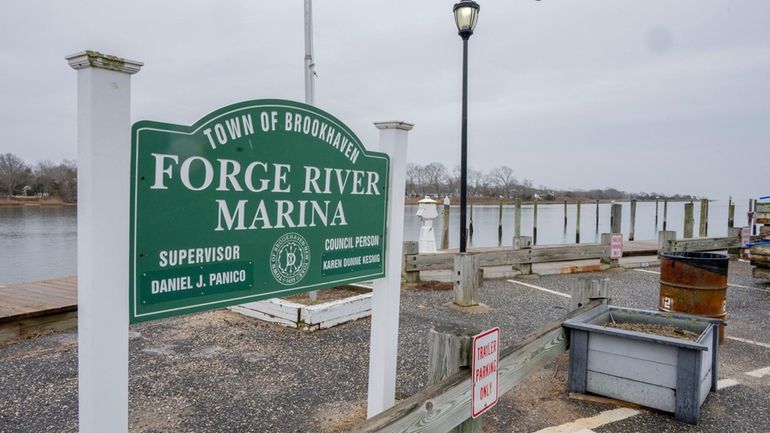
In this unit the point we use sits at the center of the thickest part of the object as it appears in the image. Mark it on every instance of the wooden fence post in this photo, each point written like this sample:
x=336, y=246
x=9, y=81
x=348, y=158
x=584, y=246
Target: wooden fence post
x=607, y=242
x=734, y=253
x=520, y=243
x=704, y=218
x=450, y=351
x=577, y=222
x=665, y=214
x=445, y=229
x=410, y=247
x=517, y=219
x=656, y=213
x=689, y=220
x=467, y=278
x=589, y=289
x=633, y=220
x=731, y=215
x=616, y=212
x=664, y=236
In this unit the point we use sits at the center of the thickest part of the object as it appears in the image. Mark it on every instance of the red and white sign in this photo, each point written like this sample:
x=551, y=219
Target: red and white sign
x=745, y=235
x=485, y=378
x=616, y=246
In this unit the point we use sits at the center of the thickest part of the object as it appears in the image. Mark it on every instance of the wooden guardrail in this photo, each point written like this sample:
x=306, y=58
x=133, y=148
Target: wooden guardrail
x=447, y=404
x=667, y=243
x=415, y=262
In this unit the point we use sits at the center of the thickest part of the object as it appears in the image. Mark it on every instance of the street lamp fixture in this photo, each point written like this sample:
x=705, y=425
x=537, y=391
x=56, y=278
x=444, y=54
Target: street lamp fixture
x=466, y=14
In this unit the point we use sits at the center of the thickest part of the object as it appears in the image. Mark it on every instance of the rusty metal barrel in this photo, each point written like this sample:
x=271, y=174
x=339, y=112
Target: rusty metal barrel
x=694, y=283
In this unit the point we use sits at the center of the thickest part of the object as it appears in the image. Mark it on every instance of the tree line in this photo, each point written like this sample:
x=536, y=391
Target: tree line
x=436, y=180
x=44, y=179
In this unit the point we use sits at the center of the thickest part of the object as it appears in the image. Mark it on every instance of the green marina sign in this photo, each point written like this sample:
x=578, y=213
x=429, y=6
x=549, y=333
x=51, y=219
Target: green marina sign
x=256, y=200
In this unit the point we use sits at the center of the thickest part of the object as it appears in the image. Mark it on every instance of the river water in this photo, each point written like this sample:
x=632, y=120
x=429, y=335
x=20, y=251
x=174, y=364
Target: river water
x=41, y=242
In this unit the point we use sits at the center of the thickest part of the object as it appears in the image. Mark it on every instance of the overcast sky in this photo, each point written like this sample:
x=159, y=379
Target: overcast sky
x=665, y=96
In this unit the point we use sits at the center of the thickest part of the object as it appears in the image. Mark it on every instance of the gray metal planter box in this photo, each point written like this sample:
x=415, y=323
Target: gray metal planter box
x=670, y=374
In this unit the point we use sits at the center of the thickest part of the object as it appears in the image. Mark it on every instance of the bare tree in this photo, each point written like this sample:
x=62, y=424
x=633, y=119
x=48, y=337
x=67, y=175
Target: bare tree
x=13, y=172
x=502, y=177
x=477, y=181
x=436, y=175
x=412, y=173
x=453, y=180
x=57, y=179
x=66, y=178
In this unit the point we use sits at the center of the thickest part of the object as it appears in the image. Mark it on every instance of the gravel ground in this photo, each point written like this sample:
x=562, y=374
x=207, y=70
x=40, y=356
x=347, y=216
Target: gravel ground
x=221, y=372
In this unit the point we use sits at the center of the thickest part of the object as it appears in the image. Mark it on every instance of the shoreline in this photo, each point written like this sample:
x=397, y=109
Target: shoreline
x=507, y=201
x=34, y=201
x=19, y=202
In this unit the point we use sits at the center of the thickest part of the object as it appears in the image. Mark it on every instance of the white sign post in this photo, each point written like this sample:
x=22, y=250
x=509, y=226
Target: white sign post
x=485, y=376
x=386, y=296
x=104, y=134
x=616, y=246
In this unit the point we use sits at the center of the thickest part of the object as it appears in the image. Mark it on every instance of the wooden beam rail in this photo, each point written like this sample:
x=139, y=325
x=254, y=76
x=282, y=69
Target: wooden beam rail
x=702, y=244
x=441, y=261
x=446, y=404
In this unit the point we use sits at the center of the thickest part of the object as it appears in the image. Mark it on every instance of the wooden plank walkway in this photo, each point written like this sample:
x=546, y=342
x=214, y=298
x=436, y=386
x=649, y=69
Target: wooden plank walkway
x=37, y=306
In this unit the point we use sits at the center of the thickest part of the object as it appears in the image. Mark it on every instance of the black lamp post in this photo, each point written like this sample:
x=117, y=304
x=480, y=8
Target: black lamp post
x=466, y=14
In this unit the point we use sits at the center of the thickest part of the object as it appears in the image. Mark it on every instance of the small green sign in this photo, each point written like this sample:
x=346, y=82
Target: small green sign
x=256, y=200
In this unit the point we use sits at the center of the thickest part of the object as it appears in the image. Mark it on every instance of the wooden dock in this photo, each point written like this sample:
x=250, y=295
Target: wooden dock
x=31, y=308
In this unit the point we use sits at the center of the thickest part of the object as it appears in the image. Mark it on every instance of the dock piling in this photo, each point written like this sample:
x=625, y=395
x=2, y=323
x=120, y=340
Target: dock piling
x=633, y=220
x=597, y=216
x=689, y=220
x=445, y=228
x=616, y=211
x=577, y=222
x=500, y=224
x=704, y=217
x=517, y=219
x=534, y=225
x=565, y=215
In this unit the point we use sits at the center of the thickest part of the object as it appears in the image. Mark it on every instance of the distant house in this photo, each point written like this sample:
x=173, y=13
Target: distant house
x=26, y=190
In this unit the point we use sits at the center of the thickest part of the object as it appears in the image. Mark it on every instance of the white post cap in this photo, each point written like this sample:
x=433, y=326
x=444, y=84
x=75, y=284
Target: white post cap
x=95, y=59
x=394, y=124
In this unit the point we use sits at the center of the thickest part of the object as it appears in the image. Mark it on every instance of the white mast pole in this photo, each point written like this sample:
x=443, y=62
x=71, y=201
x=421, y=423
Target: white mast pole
x=309, y=75
x=309, y=65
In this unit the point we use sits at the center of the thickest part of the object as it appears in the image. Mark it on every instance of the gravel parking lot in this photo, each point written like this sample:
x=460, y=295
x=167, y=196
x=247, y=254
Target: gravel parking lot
x=222, y=372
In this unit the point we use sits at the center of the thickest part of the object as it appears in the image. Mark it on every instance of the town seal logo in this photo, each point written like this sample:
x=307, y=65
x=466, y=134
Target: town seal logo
x=290, y=259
